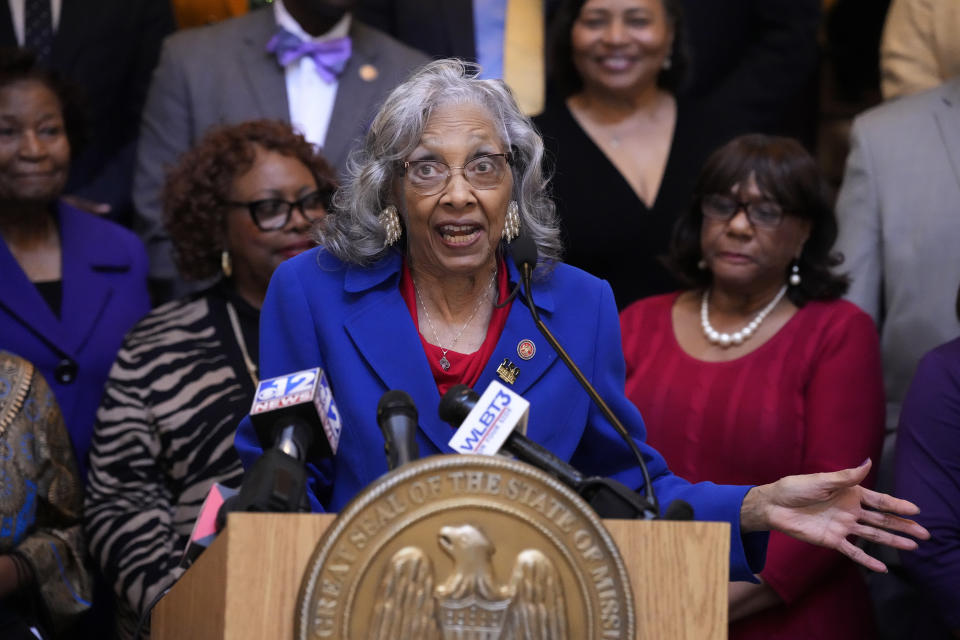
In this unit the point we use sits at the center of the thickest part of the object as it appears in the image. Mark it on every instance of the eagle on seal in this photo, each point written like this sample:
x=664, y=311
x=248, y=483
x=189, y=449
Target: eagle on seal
x=469, y=605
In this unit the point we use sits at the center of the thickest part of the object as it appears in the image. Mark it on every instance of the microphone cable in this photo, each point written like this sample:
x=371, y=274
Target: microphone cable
x=524, y=252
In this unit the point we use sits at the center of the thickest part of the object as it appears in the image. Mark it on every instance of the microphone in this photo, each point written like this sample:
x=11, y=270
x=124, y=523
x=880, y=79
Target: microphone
x=285, y=414
x=484, y=431
x=488, y=424
x=286, y=410
x=397, y=417
x=678, y=510
x=523, y=250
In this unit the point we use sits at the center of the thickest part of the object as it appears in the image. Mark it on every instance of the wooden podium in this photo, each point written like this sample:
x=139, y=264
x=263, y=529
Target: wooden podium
x=245, y=585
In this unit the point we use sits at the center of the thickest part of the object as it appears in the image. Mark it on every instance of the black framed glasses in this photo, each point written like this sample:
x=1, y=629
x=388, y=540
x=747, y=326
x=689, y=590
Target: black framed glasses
x=760, y=213
x=429, y=177
x=273, y=214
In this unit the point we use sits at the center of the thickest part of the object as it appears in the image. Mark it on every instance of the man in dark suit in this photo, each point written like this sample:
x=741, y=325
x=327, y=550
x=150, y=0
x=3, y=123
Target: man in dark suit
x=225, y=74
x=108, y=48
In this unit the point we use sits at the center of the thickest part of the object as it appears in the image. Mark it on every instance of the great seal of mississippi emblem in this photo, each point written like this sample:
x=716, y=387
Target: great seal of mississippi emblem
x=466, y=548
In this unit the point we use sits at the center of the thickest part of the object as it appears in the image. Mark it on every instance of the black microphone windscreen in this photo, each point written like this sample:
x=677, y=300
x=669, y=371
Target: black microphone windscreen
x=678, y=510
x=396, y=401
x=456, y=403
x=524, y=251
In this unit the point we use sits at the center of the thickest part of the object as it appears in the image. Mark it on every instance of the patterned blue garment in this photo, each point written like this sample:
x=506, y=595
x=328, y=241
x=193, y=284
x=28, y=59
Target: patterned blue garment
x=41, y=499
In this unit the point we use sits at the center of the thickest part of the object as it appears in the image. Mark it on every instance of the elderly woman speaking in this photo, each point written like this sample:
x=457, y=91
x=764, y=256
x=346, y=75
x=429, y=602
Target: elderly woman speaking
x=403, y=295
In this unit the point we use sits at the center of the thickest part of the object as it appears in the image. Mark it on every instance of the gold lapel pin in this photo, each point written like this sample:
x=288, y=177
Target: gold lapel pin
x=368, y=73
x=508, y=371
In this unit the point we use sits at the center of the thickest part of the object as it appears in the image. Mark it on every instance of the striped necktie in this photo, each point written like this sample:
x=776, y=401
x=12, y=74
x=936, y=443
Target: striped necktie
x=523, y=66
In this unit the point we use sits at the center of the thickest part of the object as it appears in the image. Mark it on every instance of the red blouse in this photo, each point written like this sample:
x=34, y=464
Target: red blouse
x=809, y=399
x=465, y=368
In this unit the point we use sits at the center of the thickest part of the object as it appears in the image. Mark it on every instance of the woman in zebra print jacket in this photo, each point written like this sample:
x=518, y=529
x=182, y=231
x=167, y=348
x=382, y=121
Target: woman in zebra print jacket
x=239, y=204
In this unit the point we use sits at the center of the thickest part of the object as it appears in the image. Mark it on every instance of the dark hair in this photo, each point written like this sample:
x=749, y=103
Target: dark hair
x=563, y=74
x=198, y=188
x=19, y=65
x=785, y=172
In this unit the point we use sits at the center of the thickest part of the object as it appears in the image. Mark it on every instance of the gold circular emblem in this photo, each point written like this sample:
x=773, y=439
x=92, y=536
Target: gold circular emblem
x=368, y=73
x=466, y=547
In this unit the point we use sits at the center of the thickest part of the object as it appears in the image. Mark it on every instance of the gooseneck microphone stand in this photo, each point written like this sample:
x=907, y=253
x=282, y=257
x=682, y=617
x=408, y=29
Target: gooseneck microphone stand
x=524, y=253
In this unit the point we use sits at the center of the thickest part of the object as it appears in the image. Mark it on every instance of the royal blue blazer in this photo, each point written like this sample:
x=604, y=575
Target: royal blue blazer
x=104, y=283
x=353, y=322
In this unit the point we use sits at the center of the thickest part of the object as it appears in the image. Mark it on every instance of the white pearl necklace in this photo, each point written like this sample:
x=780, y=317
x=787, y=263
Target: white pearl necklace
x=738, y=337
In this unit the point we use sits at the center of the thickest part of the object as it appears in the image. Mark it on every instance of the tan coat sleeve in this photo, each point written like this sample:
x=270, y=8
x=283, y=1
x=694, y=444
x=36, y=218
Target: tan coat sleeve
x=920, y=48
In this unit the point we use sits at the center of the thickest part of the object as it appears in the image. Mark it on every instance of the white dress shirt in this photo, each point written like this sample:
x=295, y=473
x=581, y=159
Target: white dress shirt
x=17, y=11
x=309, y=96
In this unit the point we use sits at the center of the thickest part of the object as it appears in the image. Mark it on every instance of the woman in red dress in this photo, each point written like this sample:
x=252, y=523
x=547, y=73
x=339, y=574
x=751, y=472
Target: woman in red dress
x=759, y=370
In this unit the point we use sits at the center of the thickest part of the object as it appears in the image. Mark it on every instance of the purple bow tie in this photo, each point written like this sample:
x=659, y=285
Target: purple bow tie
x=330, y=56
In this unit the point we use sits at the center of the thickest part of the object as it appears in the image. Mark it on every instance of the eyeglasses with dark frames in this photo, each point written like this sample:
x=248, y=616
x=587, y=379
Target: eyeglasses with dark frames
x=273, y=214
x=430, y=177
x=760, y=213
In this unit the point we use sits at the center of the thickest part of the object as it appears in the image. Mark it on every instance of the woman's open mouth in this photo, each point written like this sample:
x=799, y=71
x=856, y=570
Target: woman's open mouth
x=459, y=235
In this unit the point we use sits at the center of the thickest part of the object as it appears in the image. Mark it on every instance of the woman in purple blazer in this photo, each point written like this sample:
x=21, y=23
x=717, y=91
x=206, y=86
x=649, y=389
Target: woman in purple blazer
x=72, y=284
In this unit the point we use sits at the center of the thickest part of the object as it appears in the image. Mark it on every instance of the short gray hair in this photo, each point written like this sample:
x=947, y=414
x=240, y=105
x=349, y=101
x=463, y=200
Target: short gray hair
x=353, y=233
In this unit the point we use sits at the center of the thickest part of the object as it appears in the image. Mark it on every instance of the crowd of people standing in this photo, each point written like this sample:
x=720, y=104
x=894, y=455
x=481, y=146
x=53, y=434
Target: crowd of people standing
x=177, y=176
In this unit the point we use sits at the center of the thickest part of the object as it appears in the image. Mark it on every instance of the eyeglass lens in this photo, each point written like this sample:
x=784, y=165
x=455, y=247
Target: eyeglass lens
x=429, y=177
x=764, y=213
x=275, y=213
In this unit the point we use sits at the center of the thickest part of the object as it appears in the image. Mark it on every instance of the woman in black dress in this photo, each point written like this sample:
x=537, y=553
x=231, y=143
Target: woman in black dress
x=626, y=150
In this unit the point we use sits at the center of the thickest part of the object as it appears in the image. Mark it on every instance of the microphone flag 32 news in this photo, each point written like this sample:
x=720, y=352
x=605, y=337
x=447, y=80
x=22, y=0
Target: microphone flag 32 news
x=499, y=412
x=298, y=391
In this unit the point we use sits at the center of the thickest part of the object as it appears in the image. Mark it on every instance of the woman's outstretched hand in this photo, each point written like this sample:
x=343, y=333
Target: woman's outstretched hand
x=826, y=508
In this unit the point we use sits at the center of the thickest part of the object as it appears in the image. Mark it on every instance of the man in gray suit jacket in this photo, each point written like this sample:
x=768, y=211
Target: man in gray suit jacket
x=899, y=215
x=223, y=74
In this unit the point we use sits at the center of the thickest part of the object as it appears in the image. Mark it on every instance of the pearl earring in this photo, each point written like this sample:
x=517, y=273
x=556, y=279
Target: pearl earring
x=702, y=264
x=226, y=264
x=795, y=274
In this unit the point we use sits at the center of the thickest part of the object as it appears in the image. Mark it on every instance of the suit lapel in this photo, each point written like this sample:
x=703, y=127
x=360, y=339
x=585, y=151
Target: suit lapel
x=260, y=69
x=396, y=356
x=86, y=292
x=947, y=115
x=519, y=327
x=355, y=104
x=21, y=299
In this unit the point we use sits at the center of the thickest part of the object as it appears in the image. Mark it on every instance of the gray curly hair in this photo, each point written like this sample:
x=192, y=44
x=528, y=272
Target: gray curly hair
x=354, y=234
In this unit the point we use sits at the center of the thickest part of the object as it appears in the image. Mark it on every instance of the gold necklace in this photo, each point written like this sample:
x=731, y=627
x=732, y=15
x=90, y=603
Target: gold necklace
x=444, y=363
x=238, y=335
